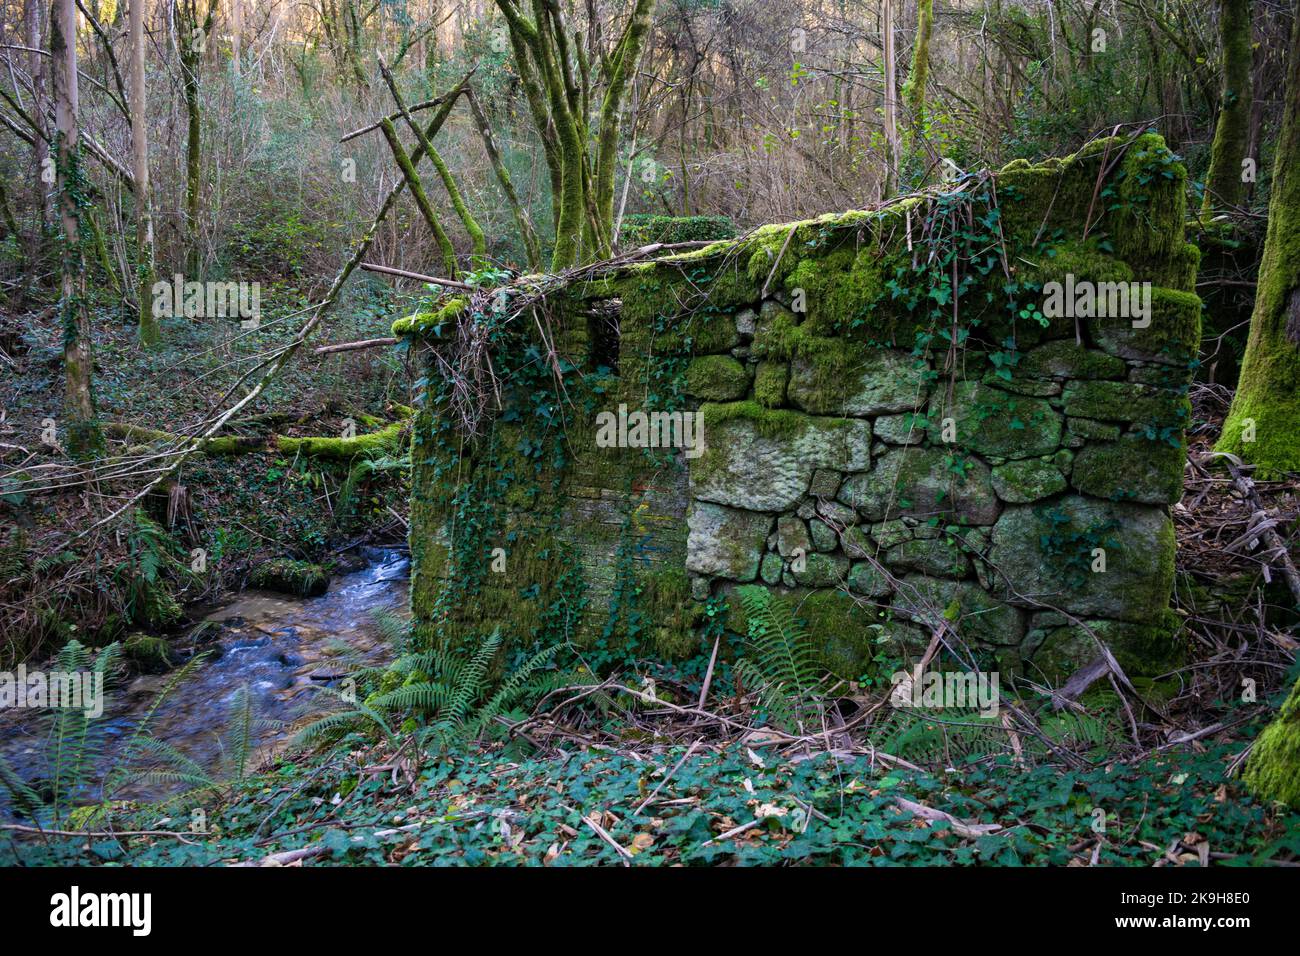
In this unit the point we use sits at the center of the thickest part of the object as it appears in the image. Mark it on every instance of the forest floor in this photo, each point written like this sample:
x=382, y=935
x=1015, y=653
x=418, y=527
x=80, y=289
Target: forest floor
x=1147, y=777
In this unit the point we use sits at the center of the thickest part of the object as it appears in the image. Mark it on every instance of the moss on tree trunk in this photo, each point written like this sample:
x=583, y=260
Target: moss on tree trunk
x=1223, y=184
x=1261, y=425
x=1273, y=771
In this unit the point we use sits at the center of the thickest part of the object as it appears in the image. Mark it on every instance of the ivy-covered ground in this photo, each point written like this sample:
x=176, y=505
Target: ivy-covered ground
x=734, y=805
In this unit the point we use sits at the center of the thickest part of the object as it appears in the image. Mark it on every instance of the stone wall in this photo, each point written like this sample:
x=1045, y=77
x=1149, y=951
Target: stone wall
x=897, y=431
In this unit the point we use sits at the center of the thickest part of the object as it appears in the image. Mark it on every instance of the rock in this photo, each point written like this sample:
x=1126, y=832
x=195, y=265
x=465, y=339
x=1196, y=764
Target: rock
x=700, y=587
x=905, y=429
x=716, y=378
x=874, y=382
x=889, y=533
x=770, y=569
x=1030, y=479
x=824, y=537
x=1088, y=428
x=921, y=481
x=725, y=541
x=977, y=616
x=836, y=514
x=791, y=536
x=766, y=464
x=1063, y=358
x=287, y=576
x=1126, y=402
x=1131, y=469
x=993, y=422
x=856, y=544
x=1171, y=337
x=867, y=579
x=941, y=557
x=822, y=570
x=1022, y=386
x=824, y=483
x=1141, y=649
x=1044, y=553
x=745, y=322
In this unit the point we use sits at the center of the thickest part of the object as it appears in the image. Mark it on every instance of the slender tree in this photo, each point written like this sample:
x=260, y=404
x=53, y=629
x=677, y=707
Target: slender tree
x=1225, y=185
x=32, y=18
x=82, y=431
x=1262, y=424
x=887, y=67
x=148, y=324
x=191, y=45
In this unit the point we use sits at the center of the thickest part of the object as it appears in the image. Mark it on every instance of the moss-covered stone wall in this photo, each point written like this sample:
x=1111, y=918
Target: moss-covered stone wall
x=897, y=431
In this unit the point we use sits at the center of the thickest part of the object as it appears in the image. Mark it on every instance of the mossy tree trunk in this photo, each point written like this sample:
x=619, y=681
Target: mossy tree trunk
x=914, y=88
x=1224, y=185
x=1262, y=424
x=560, y=84
x=191, y=45
x=148, y=324
x=83, y=436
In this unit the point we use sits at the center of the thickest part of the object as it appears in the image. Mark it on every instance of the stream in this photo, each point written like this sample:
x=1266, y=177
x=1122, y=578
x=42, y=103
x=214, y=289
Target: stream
x=278, y=647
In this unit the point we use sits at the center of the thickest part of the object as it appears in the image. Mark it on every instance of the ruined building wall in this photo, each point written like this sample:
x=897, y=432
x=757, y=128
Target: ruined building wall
x=899, y=427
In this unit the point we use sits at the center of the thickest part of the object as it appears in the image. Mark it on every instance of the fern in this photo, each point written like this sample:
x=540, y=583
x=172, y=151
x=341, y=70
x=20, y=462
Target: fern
x=782, y=663
x=939, y=736
x=366, y=468
x=449, y=696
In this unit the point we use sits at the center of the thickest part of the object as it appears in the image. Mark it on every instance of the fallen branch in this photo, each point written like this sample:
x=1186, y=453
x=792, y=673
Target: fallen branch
x=356, y=346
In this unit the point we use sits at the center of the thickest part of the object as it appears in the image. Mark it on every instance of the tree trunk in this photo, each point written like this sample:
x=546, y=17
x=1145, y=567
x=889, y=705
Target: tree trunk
x=1224, y=186
x=193, y=44
x=582, y=173
x=1261, y=425
x=914, y=88
x=148, y=323
x=40, y=148
x=891, y=99
x=82, y=431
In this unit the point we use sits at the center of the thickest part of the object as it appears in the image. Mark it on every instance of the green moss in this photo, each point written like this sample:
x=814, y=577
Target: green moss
x=1267, y=400
x=1127, y=402
x=1273, y=770
x=716, y=378
x=770, y=382
x=386, y=441
x=301, y=578
x=1063, y=358
x=1131, y=469
x=1020, y=482
x=770, y=423
x=1173, y=336
x=429, y=323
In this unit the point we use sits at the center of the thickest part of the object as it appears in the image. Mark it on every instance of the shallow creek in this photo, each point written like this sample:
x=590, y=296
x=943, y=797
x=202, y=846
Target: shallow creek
x=278, y=647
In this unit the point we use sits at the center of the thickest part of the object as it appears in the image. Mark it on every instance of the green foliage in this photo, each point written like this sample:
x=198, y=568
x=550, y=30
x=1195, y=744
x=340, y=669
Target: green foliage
x=444, y=696
x=781, y=659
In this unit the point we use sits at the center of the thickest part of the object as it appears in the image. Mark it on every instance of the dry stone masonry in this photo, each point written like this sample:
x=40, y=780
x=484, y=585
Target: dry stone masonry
x=896, y=434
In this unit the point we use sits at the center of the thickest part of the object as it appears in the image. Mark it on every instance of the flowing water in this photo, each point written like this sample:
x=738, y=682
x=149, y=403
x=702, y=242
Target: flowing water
x=278, y=647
